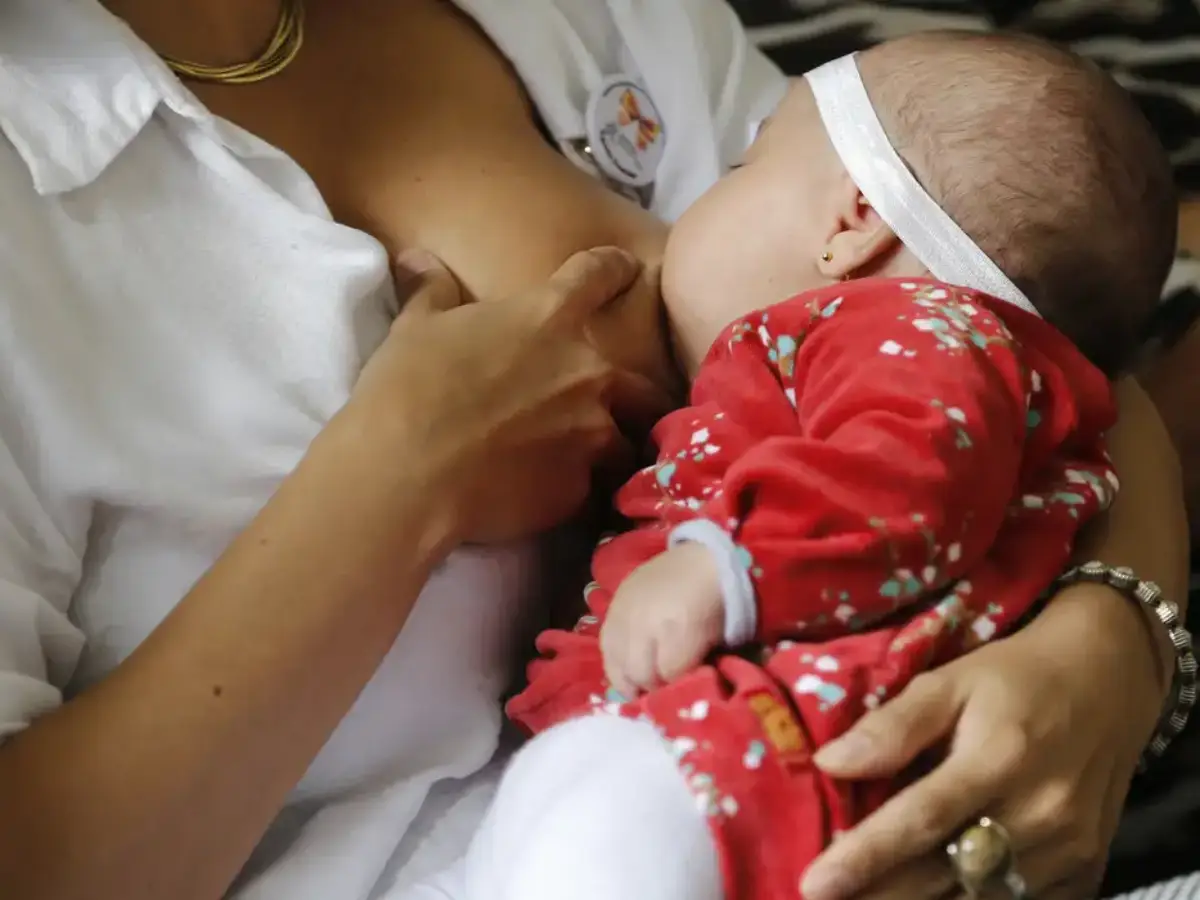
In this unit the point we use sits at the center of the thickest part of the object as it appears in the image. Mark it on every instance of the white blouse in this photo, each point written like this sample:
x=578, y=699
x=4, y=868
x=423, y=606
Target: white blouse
x=179, y=316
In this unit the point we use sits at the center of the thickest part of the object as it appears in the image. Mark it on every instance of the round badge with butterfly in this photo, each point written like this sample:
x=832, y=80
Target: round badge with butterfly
x=625, y=132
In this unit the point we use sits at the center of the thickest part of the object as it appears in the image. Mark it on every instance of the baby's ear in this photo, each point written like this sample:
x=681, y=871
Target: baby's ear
x=862, y=242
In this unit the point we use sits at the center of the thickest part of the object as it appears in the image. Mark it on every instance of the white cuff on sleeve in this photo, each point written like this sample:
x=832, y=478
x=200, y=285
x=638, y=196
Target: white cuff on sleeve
x=741, y=610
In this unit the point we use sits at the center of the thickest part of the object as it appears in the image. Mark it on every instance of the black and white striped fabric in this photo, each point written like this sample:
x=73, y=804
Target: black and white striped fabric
x=1153, y=48
x=1185, y=887
x=1150, y=46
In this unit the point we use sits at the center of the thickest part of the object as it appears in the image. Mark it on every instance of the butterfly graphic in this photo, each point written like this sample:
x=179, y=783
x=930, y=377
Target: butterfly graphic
x=630, y=112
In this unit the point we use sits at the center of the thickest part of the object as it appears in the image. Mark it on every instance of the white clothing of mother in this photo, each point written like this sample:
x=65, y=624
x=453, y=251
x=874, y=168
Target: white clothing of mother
x=179, y=317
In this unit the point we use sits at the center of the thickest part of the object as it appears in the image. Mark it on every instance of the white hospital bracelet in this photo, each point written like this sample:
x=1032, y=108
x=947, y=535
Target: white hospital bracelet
x=741, y=612
x=1149, y=596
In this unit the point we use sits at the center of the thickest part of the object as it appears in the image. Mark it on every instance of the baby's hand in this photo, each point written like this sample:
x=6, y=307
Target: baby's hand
x=663, y=621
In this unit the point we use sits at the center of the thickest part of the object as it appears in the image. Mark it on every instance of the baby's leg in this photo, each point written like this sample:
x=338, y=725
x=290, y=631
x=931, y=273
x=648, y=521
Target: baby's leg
x=594, y=809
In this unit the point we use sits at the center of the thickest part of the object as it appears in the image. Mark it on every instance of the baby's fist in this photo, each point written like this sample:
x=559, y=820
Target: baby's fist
x=664, y=619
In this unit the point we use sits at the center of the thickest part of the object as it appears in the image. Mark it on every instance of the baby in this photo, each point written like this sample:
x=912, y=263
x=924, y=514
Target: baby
x=871, y=478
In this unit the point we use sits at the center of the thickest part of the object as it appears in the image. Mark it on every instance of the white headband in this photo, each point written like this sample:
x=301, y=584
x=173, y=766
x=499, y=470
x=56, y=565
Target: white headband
x=887, y=184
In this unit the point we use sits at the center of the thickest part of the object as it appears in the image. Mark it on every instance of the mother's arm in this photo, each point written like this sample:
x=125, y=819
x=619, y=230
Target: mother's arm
x=1146, y=529
x=1173, y=380
x=159, y=781
x=1173, y=383
x=1043, y=728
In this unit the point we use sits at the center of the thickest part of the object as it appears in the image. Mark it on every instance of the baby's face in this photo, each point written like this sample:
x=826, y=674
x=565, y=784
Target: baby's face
x=754, y=238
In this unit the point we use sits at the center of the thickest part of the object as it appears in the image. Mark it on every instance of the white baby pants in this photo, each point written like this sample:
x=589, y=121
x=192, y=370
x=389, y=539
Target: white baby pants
x=595, y=809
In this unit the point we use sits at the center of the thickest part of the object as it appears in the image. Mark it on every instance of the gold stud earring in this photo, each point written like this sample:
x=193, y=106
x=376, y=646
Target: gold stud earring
x=826, y=256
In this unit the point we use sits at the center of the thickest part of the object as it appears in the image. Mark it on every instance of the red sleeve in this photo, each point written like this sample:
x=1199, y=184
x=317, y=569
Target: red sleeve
x=912, y=408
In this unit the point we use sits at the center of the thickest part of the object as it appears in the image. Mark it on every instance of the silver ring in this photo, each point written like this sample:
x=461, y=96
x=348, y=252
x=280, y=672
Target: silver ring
x=983, y=859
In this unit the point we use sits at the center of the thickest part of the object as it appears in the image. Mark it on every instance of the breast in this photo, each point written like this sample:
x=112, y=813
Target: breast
x=456, y=166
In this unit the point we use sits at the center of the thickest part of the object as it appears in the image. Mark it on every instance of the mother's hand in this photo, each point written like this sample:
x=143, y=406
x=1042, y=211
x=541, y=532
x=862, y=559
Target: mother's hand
x=1040, y=735
x=509, y=399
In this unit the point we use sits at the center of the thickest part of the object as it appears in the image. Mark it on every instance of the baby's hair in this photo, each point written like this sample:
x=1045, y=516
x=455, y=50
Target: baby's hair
x=1047, y=164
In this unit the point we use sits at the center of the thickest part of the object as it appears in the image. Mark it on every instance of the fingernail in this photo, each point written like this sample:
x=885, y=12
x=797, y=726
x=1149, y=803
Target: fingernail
x=614, y=250
x=416, y=257
x=627, y=259
x=823, y=883
x=413, y=262
x=850, y=750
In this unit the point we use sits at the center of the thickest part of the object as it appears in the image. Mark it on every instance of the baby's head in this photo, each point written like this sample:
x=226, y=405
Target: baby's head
x=1037, y=155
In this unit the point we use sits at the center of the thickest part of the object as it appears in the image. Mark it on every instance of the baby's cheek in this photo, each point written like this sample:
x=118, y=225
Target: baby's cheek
x=695, y=308
x=712, y=270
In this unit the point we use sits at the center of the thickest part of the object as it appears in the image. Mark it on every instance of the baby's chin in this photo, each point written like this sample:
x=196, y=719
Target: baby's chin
x=689, y=341
x=687, y=360
x=695, y=315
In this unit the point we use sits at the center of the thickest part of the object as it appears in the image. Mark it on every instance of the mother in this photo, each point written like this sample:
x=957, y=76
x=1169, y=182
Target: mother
x=190, y=284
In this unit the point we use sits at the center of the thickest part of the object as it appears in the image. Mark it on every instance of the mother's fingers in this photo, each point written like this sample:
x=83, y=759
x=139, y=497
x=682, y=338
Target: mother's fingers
x=636, y=401
x=424, y=284
x=1058, y=855
x=932, y=878
x=1059, y=837
x=918, y=820
x=587, y=281
x=1048, y=874
x=928, y=878
x=887, y=739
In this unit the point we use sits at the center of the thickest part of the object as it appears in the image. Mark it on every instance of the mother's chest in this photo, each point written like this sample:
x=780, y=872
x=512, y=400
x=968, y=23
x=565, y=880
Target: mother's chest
x=417, y=131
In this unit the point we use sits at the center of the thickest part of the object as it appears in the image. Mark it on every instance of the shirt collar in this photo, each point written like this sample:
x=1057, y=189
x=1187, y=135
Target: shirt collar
x=76, y=87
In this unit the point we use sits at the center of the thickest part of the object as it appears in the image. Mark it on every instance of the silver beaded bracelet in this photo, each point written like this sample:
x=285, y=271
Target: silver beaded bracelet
x=1183, y=682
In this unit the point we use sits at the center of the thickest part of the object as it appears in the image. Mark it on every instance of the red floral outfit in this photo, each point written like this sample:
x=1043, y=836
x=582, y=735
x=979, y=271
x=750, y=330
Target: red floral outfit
x=902, y=467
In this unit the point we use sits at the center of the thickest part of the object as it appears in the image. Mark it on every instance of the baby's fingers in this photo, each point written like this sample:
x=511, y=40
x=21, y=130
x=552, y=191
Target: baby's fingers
x=612, y=649
x=629, y=664
x=642, y=668
x=619, y=683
